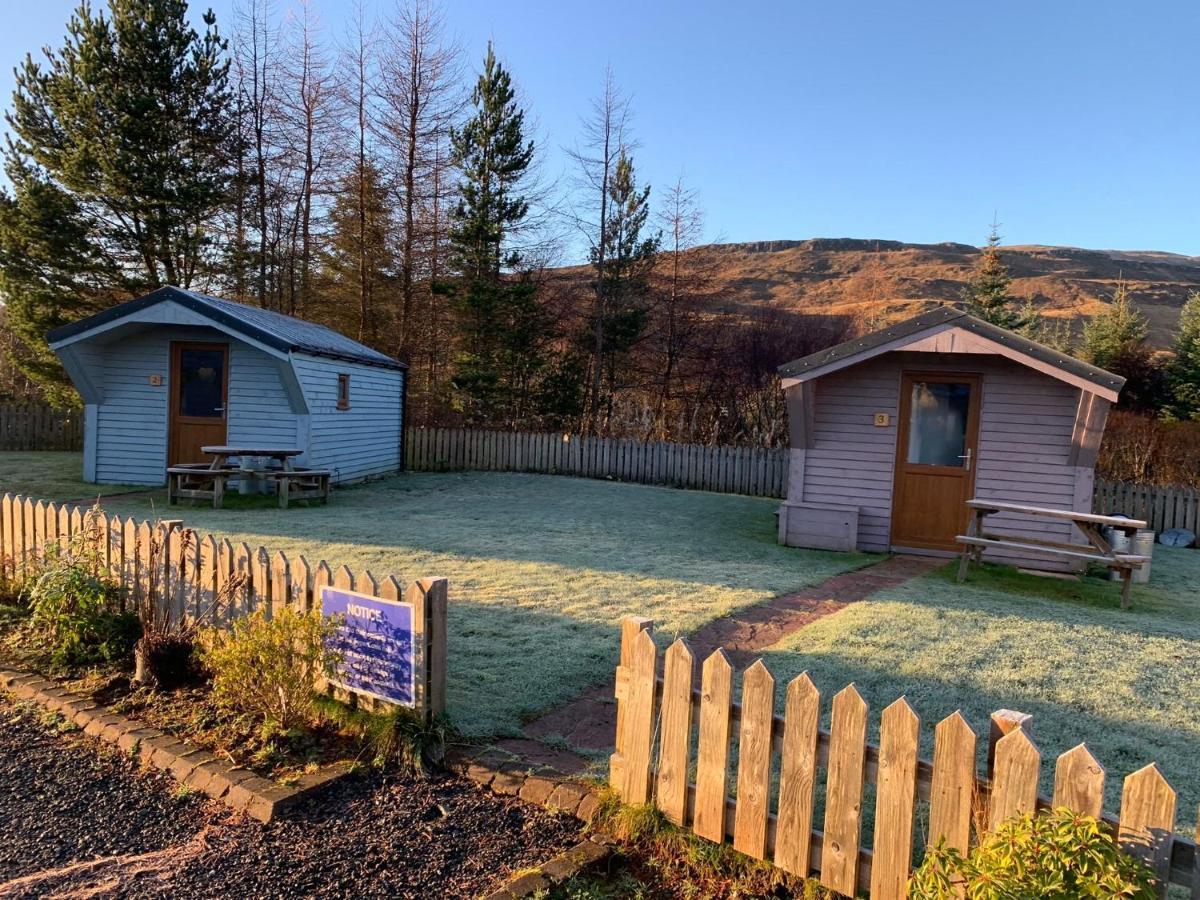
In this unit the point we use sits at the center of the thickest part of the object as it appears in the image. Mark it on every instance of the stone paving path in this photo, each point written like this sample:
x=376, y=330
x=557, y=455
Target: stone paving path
x=588, y=722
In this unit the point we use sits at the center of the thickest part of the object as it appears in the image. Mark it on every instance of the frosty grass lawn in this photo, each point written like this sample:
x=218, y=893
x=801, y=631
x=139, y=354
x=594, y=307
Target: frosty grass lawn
x=541, y=568
x=51, y=476
x=1126, y=682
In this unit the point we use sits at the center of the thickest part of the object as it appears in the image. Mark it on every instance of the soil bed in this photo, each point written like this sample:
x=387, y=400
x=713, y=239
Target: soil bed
x=64, y=802
x=191, y=715
x=64, y=798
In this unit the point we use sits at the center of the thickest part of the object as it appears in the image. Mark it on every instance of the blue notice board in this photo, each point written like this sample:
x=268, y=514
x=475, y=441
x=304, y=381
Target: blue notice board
x=375, y=641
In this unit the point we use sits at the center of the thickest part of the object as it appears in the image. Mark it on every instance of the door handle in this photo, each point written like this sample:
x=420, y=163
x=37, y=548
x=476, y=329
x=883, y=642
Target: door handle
x=967, y=457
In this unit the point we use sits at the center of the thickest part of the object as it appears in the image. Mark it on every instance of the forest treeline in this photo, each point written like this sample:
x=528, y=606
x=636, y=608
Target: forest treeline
x=385, y=182
x=377, y=177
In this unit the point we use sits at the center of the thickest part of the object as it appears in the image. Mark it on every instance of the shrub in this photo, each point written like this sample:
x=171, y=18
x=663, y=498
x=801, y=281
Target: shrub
x=1055, y=854
x=75, y=612
x=269, y=667
x=397, y=734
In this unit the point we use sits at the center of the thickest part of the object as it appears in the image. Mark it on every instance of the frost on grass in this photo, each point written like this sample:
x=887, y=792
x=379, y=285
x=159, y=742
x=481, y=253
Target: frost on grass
x=1126, y=682
x=541, y=568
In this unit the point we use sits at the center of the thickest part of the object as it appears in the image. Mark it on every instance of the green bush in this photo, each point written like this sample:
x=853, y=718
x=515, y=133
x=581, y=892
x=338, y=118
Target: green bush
x=75, y=613
x=269, y=667
x=1056, y=854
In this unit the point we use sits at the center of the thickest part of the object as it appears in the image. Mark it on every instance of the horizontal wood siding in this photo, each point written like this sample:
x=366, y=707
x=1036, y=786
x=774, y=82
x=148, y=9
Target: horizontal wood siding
x=1024, y=456
x=131, y=422
x=259, y=410
x=363, y=440
x=851, y=461
x=1025, y=431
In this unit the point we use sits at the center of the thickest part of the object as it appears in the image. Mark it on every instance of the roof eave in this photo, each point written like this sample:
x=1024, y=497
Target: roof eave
x=897, y=337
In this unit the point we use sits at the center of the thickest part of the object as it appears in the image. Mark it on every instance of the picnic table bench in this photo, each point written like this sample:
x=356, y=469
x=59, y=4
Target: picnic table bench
x=207, y=481
x=976, y=540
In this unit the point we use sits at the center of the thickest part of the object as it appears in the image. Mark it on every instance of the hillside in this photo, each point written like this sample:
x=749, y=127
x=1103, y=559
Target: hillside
x=870, y=278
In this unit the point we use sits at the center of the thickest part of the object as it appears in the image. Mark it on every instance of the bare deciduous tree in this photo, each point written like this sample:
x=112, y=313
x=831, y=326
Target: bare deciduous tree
x=311, y=110
x=605, y=139
x=420, y=95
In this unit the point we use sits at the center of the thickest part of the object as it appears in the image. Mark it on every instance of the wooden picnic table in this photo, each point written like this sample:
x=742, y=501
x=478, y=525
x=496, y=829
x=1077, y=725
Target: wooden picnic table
x=976, y=540
x=222, y=453
x=203, y=481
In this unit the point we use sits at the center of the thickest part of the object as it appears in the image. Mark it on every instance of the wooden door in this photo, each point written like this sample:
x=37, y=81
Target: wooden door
x=199, y=388
x=936, y=456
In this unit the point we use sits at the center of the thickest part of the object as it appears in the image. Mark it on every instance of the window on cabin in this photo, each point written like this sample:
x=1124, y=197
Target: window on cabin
x=343, y=395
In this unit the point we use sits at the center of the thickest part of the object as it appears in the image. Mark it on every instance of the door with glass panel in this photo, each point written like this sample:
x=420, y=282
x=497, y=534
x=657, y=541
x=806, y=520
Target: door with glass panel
x=936, y=453
x=199, y=386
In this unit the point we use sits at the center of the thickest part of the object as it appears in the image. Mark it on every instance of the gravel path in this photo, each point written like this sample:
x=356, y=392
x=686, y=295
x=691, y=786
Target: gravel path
x=76, y=818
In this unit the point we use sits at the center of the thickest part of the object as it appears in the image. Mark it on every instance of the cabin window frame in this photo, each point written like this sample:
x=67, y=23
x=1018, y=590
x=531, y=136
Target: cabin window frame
x=343, y=390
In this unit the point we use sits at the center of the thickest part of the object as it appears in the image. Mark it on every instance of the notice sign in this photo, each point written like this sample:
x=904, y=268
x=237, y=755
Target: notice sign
x=375, y=641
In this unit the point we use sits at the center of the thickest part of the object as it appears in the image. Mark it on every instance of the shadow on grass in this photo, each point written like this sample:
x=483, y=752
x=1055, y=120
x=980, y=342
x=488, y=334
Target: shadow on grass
x=704, y=539
x=1125, y=683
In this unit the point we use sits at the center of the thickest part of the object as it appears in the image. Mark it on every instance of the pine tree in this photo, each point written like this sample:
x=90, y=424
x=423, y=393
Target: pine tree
x=505, y=331
x=131, y=118
x=50, y=273
x=986, y=295
x=628, y=258
x=1183, y=372
x=1117, y=333
x=117, y=157
x=360, y=255
x=1116, y=340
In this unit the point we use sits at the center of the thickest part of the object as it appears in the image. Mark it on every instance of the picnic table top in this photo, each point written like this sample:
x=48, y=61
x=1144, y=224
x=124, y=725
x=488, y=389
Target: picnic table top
x=1065, y=514
x=252, y=450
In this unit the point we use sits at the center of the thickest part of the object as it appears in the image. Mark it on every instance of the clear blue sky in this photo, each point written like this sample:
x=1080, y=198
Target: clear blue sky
x=1077, y=122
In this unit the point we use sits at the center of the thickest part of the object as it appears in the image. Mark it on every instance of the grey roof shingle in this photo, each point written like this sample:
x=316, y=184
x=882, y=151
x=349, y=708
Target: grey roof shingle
x=814, y=362
x=271, y=328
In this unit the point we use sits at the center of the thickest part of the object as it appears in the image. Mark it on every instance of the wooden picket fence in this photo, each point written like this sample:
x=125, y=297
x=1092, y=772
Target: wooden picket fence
x=186, y=573
x=666, y=709
x=1161, y=507
x=35, y=426
x=754, y=471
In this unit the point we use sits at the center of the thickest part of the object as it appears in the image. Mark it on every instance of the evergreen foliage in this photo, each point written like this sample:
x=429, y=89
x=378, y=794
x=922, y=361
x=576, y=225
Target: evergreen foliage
x=986, y=295
x=1183, y=372
x=117, y=158
x=1116, y=340
x=628, y=259
x=370, y=229
x=506, y=330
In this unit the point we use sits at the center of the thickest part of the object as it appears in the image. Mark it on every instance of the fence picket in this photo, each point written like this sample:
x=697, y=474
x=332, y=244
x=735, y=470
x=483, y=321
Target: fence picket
x=8, y=552
x=302, y=585
x=1147, y=822
x=952, y=786
x=639, y=720
x=671, y=790
x=797, y=776
x=843, y=808
x=1015, y=783
x=895, y=802
x=712, y=755
x=1079, y=781
x=754, y=761
x=281, y=583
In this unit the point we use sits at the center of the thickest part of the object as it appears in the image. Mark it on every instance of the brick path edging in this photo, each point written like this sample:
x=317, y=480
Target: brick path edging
x=238, y=788
x=501, y=774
